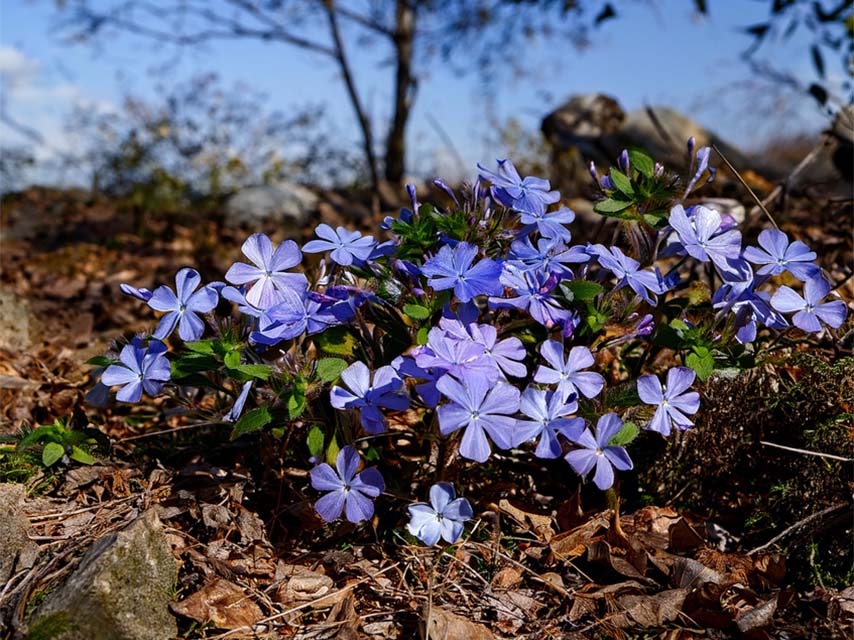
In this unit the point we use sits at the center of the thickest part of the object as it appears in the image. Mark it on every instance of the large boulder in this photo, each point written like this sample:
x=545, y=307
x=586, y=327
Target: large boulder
x=284, y=202
x=120, y=590
x=595, y=128
x=17, y=551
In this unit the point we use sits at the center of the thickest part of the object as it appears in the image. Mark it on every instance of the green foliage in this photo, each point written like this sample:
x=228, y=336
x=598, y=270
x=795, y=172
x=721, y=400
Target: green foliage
x=251, y=421
x=328, y=369
x=59, y=443
x=338, y=341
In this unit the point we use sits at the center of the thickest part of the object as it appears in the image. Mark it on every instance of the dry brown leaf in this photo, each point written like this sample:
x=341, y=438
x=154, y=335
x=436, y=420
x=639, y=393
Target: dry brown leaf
x=507, y=578
x=444, y=625
x=222, y=603
x=304, y=585
x=540, y=524
x=656, y=609
x=572, y=544
x=344, y=615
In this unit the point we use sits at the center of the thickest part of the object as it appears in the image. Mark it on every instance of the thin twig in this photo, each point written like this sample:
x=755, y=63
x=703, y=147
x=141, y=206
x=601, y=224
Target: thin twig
x=746, y=186
x=172, y=430
x=831, y=456
x=801, y=523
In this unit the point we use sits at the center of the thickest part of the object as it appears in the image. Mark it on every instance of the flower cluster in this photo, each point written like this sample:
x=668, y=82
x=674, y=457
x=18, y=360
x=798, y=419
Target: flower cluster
x=486, y=321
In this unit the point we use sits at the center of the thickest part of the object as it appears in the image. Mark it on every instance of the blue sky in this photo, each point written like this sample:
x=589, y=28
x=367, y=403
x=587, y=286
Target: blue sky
x=656, y=52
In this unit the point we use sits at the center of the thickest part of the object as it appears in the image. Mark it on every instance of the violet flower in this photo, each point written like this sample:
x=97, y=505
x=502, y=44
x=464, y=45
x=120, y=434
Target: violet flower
x=548, y=411
x=809, y=309
x=529, y=194
x=369, y=395
x=349, y=491
x=777, y=256
x=567, y=372
x=673, y=401
x=182, y=309
x=141, y=369
x=697, y=235
x=267, y=274
x=596, y=452
x=628, y=272
x=347, y=247
x=444, y=517
x=452, y=269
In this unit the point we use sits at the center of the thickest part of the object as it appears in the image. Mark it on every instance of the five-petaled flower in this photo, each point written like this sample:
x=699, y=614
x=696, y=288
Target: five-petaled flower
x=443, y=518
x=548, y=411
x=596, y=452
x=479, y=407
x=368, y=396
x=628, y=272
x=349, y=491
x=566, y=371
x=452, y=269
x=530, y=194
x=141, y=368
x=673, y=401
x=347, y=247
x=267, y=273
x=182, y=309
x=809, y=309
x=777, y=256
x=697, y=235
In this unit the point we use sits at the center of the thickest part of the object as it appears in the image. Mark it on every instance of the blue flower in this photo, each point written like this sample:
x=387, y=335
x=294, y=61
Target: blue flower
x=548, y=224
x=454, y=356
x=140, y=294
x=673, y=401
x=267, y=274
x=368, y=396
x=777, y=256
x=452, y=269
x=530, y=195
x=548, y=411
x=141, y=368
x=738, y=295
x=809, y=309
x=550, y=256
x=697, y=235
x=481, y=408
x=347, y=247
x=628, y=272
x=234, y=413
x=443, y=518
x=703, y=157
x=567, y=372
x=182, y=309
x=349, y=491
x=532, y=291
x=596, y=452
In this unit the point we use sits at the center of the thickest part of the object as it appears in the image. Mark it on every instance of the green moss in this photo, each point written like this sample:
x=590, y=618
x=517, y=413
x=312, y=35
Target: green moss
x=50, y=626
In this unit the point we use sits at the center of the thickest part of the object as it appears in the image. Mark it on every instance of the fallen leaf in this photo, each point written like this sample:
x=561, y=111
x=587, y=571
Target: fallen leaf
x=444, y=625
x=222, y=603
x=656, y=609
x=540, y=524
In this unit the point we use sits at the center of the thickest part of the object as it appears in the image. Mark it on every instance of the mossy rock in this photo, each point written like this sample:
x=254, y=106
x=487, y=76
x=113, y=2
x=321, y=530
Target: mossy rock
x=120, y=591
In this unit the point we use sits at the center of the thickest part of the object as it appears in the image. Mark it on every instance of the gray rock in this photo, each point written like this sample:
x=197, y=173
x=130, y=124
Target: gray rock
x=14, y=322
x=120, y=591
x=595, y=127
x=283, y=202
x=17, y=551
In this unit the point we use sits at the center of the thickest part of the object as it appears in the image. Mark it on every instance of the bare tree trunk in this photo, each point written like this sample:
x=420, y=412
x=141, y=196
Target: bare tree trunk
x=344, y=65
x=395, y=156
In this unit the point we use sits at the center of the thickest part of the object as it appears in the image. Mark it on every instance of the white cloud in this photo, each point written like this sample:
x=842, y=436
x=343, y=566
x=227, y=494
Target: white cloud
x=16, y=68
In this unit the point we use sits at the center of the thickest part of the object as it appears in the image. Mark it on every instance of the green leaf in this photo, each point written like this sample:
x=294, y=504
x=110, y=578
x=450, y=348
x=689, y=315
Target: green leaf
x=100, y=361
x=296, y=404
x=628, y=433
x=422, y=335
x=583, y=290
x=702, y=364
x=81, y=456
x=52, y=453
x=332, y=451
x=256, y=419
x=338, y=341
x=328, y=369
x=642, y=162
x=610, y=206
x=201, y=346
x=623, y=184
x=247, y=371
x=315, y=441
x=232, y=359
x=416, y=311
x=193, y=363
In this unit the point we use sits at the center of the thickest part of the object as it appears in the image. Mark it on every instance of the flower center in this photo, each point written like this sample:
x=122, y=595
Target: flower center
x=599, y=452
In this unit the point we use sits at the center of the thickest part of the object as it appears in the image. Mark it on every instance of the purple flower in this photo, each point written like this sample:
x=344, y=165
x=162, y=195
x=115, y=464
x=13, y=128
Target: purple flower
x=697, y=235
x=480, y=408
x=628, y=271
x=454, y=356
x=349, y=491
x=703, y=157
x=234, y=413
x=532, y=295
x=406, y=366
x=529, y=195
x=442, y=518
x=452, y=269
x=549, y=225
x=547, y=410
x=182, y=309
x=673, y=400
x=596, y=452
x=567, y=372
x=777, y=256
x=369, y=396
x=347, y=247
x=549, y=256
x=507, y=355
x=141, y=369
x=267, y=273
x=737, y=295
x=809, y=309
